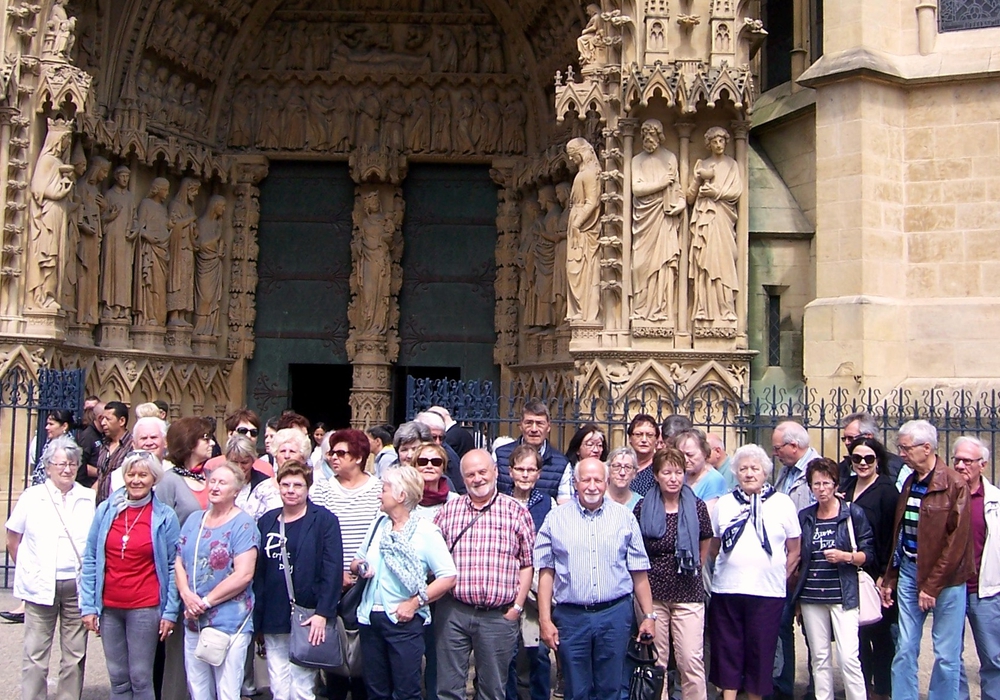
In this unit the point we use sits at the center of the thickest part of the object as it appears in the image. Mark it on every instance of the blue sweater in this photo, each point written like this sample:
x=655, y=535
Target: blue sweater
x=553, y=465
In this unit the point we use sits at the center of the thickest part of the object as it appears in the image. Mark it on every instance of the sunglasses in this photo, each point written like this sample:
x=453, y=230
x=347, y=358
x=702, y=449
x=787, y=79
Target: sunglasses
x=339, y=454
x=433, y=461
x=867, y=459
x=252, y=432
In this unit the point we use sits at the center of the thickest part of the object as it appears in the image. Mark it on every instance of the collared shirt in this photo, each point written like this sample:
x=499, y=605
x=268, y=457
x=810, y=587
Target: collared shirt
x=108, y=461
x=977, y=509
x=911, y=516
x=491, y=553
x=792, y=481
x=606, y=545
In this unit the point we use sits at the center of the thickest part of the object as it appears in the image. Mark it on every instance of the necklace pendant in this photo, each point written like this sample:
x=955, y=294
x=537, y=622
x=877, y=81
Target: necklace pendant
x=124, y=541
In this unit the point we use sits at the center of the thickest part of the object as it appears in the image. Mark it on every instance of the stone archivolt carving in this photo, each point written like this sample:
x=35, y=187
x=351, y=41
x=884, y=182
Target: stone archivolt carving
x=172, y=100
x=583, y=270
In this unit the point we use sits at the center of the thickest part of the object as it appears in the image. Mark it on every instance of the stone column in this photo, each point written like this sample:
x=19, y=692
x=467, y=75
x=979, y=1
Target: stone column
x=508, y=228
x=627, y=126
x=248, y=171
x=11, y=231
x=740, y=130
x=376, y=252
x=682, y=337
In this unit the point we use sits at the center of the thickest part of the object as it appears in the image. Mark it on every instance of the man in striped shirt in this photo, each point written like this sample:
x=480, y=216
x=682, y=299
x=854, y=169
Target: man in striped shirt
x=591, y=558
x=932, y=562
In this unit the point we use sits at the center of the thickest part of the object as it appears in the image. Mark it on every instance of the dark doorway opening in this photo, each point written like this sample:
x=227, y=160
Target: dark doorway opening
x=322, y=393
x=399, y=386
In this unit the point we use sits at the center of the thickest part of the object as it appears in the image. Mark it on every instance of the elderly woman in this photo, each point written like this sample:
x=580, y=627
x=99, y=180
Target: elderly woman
x=128, y=593
x=189, y=446
x=408, y=438
x=288, y=443
x=215, y=564
x=46, y=536
x=871, y=488
x=622, y=464
x=588, y=441
x=57, y=423
x=305, y=538
x=431, y=461
x=827, y=589
x=707, y=484
x=677, y=532
x=241, y=451
x=397, y=558
x=757, y=530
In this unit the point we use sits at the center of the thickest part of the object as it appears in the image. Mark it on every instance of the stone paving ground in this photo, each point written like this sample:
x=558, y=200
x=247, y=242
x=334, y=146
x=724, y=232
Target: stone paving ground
x=96, y=679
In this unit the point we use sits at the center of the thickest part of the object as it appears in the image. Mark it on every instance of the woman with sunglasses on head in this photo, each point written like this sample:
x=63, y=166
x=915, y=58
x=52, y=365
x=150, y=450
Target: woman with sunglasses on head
x=189, y=446
x=874, y=491
x=243, y=423
x=431, y=461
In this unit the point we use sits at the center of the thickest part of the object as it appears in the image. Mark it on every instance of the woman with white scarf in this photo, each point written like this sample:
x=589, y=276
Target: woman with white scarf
x=756, y=534
x=396, y=557
x=128, y=593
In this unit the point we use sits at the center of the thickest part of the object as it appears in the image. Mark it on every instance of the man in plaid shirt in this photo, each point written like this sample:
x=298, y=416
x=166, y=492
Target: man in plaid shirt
x=491, y=538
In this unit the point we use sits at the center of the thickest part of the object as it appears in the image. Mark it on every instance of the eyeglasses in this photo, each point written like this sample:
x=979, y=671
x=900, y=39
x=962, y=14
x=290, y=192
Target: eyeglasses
x=640, y=435
x=965, y=461
x=339, y=454
x=524, y=470
x=823, y=484
x=622, y=468
x=61, y=466
x=598, y=442
x=252, y=432
x=907, y=448
x=433, y=461
x=848, y=439
x=867, y=459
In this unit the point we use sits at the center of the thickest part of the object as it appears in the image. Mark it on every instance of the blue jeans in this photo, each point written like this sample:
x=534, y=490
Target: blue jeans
x=392, y=654
x=946, y=634
x=540, y=669
x=984, y=618
x=592, y=648
x=129, y=638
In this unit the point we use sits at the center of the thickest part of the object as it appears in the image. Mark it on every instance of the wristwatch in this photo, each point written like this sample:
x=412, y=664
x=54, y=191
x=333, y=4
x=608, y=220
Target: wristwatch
x=204, y=601
x=422, y=599
x=519, y=608
x=651, y=616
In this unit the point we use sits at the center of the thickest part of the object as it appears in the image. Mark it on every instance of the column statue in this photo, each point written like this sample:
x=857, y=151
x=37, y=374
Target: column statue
x=183, y=232
x=370, y=279
x=117, y=247
x=210, y=250
x=546, y=243
x=559, y=284
x=152, y=261
x=527, y=293
x=50, y=186
x=583, y=269
x=657, y=205
x=70, y=283
x=715, y=191
x=88, y=252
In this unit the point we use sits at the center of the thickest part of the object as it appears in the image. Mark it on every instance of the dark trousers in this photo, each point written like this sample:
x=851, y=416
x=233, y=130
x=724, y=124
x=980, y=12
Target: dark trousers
x=784, y=682
x=877, y=650
x=431, y=664
x=592, y=649
x=338, y=688
x=539, y=672
x=392, y=654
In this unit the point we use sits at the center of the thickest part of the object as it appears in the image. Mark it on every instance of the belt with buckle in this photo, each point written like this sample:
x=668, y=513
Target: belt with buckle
x=594, y=607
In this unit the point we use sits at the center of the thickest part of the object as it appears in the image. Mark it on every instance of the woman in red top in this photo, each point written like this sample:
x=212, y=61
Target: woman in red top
x=128, y=593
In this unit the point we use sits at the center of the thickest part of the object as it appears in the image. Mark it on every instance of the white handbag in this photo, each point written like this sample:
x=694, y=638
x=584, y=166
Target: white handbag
x=869, y=597
x=213, y=644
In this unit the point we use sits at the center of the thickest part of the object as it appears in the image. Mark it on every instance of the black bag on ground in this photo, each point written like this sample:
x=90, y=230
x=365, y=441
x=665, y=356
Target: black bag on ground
x=646, y=682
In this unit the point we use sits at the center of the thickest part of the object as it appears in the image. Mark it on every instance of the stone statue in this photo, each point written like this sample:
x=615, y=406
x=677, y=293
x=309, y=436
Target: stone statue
x=418, y=122
x=657, y=205
x=527, y=293
x=715, y=191
x=546, y=242
x=152, y=261
x=117, y=248
x=490, y=121
x=73, y=206
x=369, y=114
x=465, y=113
x=392, y=124
x=210, y=251
x=559, y=283
x=182, y=222
x=88, y=251
x=515, y=117
x=583, y=269
x=591, y=41
x=59, y=39
x=441, y=136
x=371, y=276
x=51, y=184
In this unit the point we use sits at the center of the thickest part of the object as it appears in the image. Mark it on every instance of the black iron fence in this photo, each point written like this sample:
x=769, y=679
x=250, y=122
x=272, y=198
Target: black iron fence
x=25, y=402
x=491, y=414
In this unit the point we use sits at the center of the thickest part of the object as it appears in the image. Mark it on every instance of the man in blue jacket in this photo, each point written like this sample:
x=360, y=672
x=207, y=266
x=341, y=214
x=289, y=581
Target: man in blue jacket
x=535, y=428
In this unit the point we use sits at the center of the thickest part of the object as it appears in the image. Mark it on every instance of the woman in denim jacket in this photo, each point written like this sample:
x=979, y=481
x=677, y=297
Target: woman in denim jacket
x=128, y=593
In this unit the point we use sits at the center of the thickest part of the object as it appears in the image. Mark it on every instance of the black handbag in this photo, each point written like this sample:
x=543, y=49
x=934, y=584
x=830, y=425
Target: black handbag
x=646, y=682
x=328, y=654
x=347, y=609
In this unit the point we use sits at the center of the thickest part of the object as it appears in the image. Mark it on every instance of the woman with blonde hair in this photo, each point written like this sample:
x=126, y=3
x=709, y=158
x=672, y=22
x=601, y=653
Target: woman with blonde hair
x=287, y=443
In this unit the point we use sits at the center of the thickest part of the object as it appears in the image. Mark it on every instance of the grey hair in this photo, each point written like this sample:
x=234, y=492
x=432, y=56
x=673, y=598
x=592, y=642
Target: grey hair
x=607, y=471
x=240, y=447
x=793, y=433
x=754, y=453
x=430, y=419
x=239, y=478
x=409, y=432
x=921, y=432
x=984, y=451
x=627, y=451
x=294, y=436
x=866, y=423
x=160, y=424
x=151, y=461
x=405, y=482
x=67, y=444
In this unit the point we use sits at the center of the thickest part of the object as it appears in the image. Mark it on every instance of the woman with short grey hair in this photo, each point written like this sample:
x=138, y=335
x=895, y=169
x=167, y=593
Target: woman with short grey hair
x=46, y=535
x=128, y=590
x=407, y=439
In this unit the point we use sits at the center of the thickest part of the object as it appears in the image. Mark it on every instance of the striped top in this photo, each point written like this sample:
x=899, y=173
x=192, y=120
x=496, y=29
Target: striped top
x=354, y=508
x=911, y=516
x=822, y=583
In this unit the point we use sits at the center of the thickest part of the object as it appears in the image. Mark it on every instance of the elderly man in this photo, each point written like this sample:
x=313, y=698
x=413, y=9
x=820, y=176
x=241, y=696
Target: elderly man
x=491, y=536
x=983, y=589
x=719, y=459
x=457, y=437
x=933, y=560
x=643, y=432
x=862, y=424
x=535, y=427
x=590, y=558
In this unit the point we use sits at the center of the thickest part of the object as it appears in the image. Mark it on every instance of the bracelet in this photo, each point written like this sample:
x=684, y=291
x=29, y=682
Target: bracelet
x=204, y=600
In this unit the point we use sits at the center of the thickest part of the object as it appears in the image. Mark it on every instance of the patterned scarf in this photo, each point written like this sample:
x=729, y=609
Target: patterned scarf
x=750, y=511
x=402, y=559
x=653, y=524
x=436, y=495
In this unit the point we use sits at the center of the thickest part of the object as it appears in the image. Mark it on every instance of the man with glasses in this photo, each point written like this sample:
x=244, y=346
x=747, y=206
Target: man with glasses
x=246, y=423
x=643, y=432
x=932, y=562
x=983, y=588
x=535, y=427
x=862, y=424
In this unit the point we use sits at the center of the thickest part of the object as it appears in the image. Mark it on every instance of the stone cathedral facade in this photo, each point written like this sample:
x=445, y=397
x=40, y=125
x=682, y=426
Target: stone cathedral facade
x=703, y=196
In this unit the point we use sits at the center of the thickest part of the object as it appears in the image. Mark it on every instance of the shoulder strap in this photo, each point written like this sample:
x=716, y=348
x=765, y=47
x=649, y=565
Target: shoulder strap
x=284, y=560
x=472, y=522
x=364, y=550
x=850, y=530
x=76, y=552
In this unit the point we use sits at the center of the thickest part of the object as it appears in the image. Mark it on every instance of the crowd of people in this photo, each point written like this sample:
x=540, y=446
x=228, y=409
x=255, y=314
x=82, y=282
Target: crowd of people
x=189, y=559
